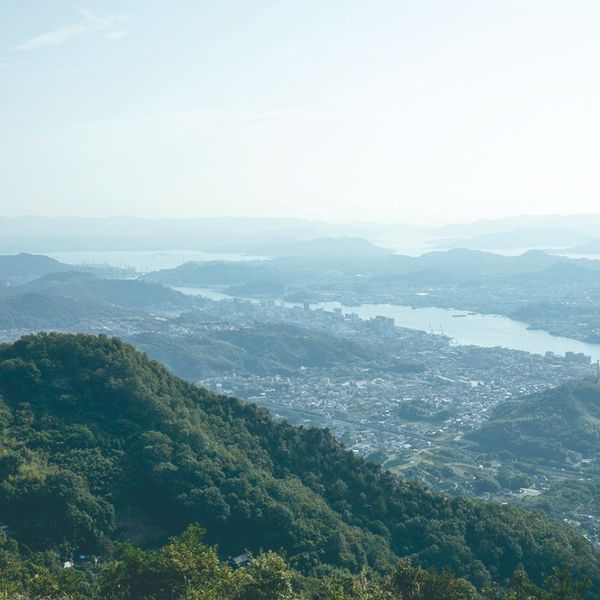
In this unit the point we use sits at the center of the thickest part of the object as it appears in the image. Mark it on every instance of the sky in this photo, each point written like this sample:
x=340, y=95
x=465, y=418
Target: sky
x=386, y=111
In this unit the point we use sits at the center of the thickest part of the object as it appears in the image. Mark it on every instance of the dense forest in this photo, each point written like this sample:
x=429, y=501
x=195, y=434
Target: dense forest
x=550, y=426
x=100, y=445
x=187, y=569
x=261, y=348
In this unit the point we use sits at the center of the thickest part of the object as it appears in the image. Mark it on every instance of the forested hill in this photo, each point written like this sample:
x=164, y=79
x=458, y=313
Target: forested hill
x=18, y=268
x=262, y=348
x=99, y=443
x=548, y=425
x=74, y=299
x=87, y=287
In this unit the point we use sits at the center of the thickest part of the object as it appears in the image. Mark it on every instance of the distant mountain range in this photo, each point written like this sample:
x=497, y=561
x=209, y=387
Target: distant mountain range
x=591, y=247
x=433, y=267
x=585, y=223
x=242, y=235
x=237, y=235
x=344, y=254
x=550, y=238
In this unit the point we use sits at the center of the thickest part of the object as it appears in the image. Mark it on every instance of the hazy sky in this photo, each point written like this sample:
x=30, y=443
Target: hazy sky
x=414, y=111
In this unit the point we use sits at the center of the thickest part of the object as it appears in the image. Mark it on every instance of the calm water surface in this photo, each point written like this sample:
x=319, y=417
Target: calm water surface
x=472, y=329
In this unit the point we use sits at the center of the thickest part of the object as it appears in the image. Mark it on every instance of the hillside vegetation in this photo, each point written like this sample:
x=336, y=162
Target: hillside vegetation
x=187, y=569
x=126, y=293
x=73, y=299
x=261, y=348
x=549, y=426
x=18, y=268
x=100, y=444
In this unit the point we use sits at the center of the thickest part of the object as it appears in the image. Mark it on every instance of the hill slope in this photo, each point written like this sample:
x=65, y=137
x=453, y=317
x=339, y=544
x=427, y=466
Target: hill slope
x=39, y=311
x=547, y=425
x=98, y=442
x=18, y=268
x=264, y=348
x=126, y=293
x=73, y=299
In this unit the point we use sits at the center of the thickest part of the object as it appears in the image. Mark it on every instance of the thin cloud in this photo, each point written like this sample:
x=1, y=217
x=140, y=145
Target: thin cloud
x=57, y=37
x=98, y=22
x=116, y=35
x=53, y=38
